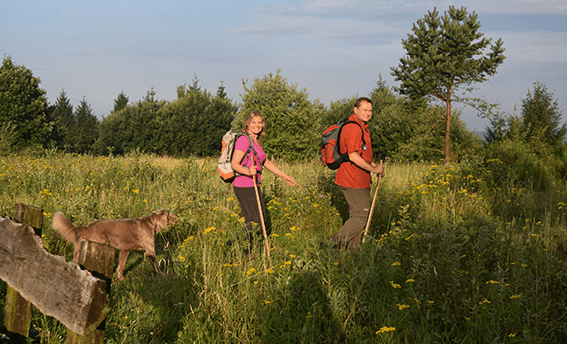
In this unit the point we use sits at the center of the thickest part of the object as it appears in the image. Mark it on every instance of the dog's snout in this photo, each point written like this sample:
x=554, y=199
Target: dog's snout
x=172, y=219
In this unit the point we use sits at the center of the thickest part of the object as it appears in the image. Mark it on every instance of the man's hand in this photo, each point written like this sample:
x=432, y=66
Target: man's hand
x=378, y=169
x=372, y=168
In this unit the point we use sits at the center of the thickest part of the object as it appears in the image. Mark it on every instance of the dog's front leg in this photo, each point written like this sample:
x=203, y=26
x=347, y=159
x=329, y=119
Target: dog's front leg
x=151, y=255
x=123, y=256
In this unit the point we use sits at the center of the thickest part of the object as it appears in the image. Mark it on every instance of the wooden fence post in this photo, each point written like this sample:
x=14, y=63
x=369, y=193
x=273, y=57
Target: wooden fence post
x=18, y=311
x=99, y=260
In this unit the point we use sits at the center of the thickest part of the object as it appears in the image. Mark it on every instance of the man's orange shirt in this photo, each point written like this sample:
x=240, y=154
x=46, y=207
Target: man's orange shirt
x=349, y=175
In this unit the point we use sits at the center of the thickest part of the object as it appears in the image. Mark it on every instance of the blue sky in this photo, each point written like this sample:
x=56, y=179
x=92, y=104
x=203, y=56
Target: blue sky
x=333, y=49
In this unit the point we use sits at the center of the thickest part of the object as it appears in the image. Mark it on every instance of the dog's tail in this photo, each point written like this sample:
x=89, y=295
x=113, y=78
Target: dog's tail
x=64, y=226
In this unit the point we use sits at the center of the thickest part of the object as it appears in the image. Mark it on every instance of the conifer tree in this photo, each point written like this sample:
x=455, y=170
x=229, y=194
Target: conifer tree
x=198, y=120
x=541, y=117
x=120, y=102
x=85, y=130
x=444, y=54
x=64, y=120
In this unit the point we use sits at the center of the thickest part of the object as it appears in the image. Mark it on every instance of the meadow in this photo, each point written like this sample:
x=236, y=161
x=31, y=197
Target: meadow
x=466, y=253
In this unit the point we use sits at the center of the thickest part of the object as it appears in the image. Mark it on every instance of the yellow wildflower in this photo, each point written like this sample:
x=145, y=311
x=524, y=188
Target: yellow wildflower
x=395, y=285
x=385, y=329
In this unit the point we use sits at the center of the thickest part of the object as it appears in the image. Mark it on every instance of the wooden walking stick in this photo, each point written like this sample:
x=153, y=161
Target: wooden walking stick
x=372, y=207
x=260, y=210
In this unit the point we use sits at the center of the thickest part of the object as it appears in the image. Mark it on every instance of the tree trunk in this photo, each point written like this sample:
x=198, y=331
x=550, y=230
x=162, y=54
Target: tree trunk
x=448, y=130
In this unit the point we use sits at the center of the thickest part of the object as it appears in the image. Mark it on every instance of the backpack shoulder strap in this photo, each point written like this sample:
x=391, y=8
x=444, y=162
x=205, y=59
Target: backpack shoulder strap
x=348, y=122
x=250, y=145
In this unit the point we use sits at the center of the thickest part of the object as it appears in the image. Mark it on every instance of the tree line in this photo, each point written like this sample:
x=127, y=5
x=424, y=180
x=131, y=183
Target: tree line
x=403, y=128
x=443, y=54
x=194, y=123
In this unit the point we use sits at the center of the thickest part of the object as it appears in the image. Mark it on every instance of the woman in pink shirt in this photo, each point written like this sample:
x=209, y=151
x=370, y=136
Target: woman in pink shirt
x=249, y=164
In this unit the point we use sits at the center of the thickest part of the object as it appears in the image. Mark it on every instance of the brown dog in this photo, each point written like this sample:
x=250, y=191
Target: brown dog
x=125, y=235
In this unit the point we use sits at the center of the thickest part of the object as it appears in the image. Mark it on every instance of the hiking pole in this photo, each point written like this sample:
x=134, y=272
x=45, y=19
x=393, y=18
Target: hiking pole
x=261, y=212
x=372, y=207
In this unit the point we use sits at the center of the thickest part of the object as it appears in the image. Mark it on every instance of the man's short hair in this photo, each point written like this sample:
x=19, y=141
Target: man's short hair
x=361, y=100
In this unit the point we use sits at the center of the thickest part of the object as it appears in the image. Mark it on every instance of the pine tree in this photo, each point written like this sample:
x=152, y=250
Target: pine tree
x=64, y=120
x=120, y=102
x=150, y=96
x=440, y=58
x=497, y=129
x=198, y=120
x=195, y=85
x=85, y=131
x=221, y=91
x=541, y=117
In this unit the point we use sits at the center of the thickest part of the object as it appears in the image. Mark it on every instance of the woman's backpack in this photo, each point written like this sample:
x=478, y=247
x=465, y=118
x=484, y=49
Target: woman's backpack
x=224, y=166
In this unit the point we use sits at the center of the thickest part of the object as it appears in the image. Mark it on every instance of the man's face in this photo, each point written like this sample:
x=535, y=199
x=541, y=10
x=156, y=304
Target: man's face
x=363, y=112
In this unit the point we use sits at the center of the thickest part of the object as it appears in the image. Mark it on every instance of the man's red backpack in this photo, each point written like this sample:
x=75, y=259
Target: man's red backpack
x=330, y=145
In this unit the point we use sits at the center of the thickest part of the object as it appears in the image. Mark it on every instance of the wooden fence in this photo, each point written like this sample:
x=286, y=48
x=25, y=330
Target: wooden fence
x=75, y=294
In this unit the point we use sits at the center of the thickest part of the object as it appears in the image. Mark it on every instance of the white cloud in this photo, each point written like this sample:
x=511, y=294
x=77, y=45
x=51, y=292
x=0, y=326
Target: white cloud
x=533, y=7
x=337, y=19
x=535, y=47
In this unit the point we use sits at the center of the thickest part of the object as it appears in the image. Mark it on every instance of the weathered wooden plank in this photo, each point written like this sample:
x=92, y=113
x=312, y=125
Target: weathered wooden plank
x=28, y=215
x=18, y=311
x=57, y=288
x=99, y=259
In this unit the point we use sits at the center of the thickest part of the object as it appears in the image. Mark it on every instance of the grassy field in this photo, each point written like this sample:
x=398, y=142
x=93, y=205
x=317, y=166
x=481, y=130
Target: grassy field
x=455, y=254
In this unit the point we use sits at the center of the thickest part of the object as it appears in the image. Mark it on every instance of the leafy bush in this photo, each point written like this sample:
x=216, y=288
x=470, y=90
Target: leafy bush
x=514, y=163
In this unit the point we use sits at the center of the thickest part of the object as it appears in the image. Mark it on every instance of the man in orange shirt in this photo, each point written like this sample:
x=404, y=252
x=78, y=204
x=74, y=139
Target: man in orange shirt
x=354, y=176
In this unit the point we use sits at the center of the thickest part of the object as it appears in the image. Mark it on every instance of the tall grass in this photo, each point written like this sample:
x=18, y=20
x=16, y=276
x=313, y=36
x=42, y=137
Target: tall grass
x=454, y=254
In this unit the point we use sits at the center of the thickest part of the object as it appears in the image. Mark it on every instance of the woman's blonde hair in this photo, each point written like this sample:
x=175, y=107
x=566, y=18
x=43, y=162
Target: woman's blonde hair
x=248, y=120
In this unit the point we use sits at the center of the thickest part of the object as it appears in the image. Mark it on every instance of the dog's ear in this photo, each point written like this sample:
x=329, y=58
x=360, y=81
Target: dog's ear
x=161, y=218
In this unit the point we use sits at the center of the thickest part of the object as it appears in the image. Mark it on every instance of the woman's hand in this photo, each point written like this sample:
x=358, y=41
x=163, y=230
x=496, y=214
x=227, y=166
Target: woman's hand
x=274, y=169
x=289, y=180
x=252, y=171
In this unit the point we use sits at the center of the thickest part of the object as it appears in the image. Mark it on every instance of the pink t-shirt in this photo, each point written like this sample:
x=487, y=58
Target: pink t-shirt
x=242, y=145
